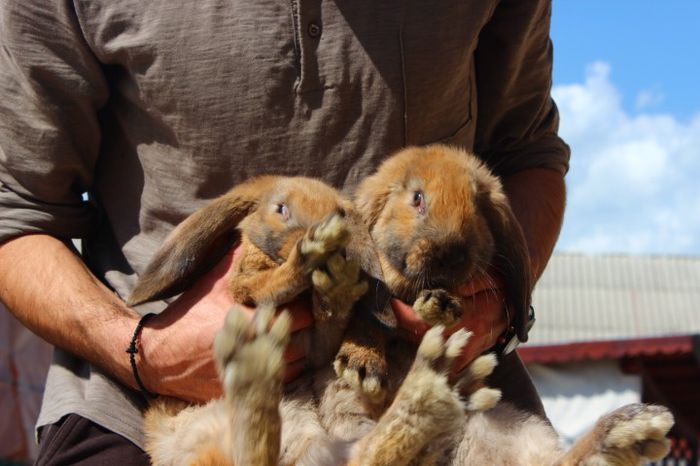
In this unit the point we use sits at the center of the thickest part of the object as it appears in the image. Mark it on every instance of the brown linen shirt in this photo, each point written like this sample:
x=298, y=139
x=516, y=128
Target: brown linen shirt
x=154, y=107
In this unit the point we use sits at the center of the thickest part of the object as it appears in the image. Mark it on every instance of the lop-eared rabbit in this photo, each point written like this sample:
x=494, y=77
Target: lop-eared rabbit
x=438, y=218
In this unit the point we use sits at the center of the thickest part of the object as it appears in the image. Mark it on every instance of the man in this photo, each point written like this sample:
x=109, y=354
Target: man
x=151, y=108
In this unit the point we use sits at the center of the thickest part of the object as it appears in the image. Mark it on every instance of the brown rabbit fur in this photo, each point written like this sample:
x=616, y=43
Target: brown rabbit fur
x=438, y=218
x=292, y=231
x=427, y=254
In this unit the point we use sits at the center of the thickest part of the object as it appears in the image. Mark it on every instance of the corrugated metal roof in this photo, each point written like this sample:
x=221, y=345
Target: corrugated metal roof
x=610, y=297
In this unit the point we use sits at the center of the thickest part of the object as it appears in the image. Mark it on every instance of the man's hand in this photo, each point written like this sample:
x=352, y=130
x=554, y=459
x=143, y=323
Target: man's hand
x=177, y=352
x=484, y=315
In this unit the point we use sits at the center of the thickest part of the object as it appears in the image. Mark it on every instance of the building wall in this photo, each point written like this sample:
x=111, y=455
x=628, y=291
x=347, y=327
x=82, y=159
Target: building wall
x=576, y=394
x=24, y=360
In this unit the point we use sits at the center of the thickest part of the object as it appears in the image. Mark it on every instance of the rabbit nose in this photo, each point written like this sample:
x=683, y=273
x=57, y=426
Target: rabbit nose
x=452, y=257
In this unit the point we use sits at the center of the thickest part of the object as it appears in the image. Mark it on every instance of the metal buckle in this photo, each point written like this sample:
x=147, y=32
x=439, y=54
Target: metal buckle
x=510, y=339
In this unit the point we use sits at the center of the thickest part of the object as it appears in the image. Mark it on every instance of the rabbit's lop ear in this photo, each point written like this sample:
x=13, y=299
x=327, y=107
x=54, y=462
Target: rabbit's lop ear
x=371, y=197
x=377, y=300
x=511, y=257
x=198, y=243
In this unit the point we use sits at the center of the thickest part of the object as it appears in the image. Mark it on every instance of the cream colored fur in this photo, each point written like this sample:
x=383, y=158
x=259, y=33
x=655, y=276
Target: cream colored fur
x=244, y=426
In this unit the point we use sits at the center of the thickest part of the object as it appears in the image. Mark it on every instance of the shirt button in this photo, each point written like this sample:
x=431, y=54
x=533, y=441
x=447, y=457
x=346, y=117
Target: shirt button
x=314, y=30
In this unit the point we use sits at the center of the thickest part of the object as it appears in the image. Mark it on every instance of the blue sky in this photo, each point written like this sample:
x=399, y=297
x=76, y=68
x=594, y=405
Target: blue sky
x=627, y=81
x=651, y=46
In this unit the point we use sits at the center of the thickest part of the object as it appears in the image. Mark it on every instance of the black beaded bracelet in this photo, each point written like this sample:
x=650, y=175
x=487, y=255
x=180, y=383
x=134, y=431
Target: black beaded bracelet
x=132, y=350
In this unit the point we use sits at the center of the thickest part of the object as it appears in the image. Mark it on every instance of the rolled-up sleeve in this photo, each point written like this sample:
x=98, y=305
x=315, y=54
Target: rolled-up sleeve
x=517, y=120
x=51, y=89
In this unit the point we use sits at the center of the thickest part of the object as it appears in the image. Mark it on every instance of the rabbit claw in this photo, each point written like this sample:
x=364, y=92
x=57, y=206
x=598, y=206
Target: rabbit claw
x=438, y=307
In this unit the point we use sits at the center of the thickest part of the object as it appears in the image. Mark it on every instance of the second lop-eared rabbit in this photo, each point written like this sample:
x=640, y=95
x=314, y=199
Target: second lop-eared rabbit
x=438, y=218
x=296, y=234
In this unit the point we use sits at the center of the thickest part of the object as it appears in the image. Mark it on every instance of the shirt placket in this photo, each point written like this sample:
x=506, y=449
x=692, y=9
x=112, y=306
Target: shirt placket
x=308, y=30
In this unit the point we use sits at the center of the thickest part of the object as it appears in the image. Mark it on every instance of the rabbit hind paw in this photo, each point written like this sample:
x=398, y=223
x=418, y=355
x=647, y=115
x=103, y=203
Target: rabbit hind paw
x=250, y=353
x=440, y=354
x=627, y=436
x=364, y=369
x=478, y=396
x=638, y=430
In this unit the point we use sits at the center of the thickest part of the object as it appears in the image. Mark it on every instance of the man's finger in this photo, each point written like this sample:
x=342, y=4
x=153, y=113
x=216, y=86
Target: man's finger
x=408, y=321
x=485, y=282
x=293, y=370
x=296, y=349
x=301, y=314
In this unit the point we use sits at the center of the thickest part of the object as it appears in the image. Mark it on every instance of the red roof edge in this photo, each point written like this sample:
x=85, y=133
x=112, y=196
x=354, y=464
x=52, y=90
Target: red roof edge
x=609, y=349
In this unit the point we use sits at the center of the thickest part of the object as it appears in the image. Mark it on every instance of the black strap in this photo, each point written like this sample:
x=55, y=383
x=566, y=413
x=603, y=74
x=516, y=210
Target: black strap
x=132, y=350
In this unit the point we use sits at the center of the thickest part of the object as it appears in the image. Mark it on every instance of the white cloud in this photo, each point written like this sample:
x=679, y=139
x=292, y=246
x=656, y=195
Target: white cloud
x=648, y=98
x=634, y=184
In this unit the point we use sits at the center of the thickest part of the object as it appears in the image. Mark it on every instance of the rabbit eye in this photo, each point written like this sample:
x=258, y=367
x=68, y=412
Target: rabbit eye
x=283, y=210
x=419, y=201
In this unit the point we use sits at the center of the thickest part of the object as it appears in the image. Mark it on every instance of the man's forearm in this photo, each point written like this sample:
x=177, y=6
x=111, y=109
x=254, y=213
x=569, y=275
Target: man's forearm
x=538, y=198
x=49, y=289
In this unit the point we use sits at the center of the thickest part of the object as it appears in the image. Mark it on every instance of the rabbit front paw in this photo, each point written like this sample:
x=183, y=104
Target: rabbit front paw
x=323, y=239
x=364, y=368
x=438, y=307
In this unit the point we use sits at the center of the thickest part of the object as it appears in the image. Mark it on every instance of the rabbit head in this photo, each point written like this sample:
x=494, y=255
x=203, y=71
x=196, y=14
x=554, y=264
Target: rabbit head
x=273, y=212
x=439, y=218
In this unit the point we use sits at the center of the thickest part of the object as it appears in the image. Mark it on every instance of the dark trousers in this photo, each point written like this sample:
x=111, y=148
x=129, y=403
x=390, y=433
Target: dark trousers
x=75, y=440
